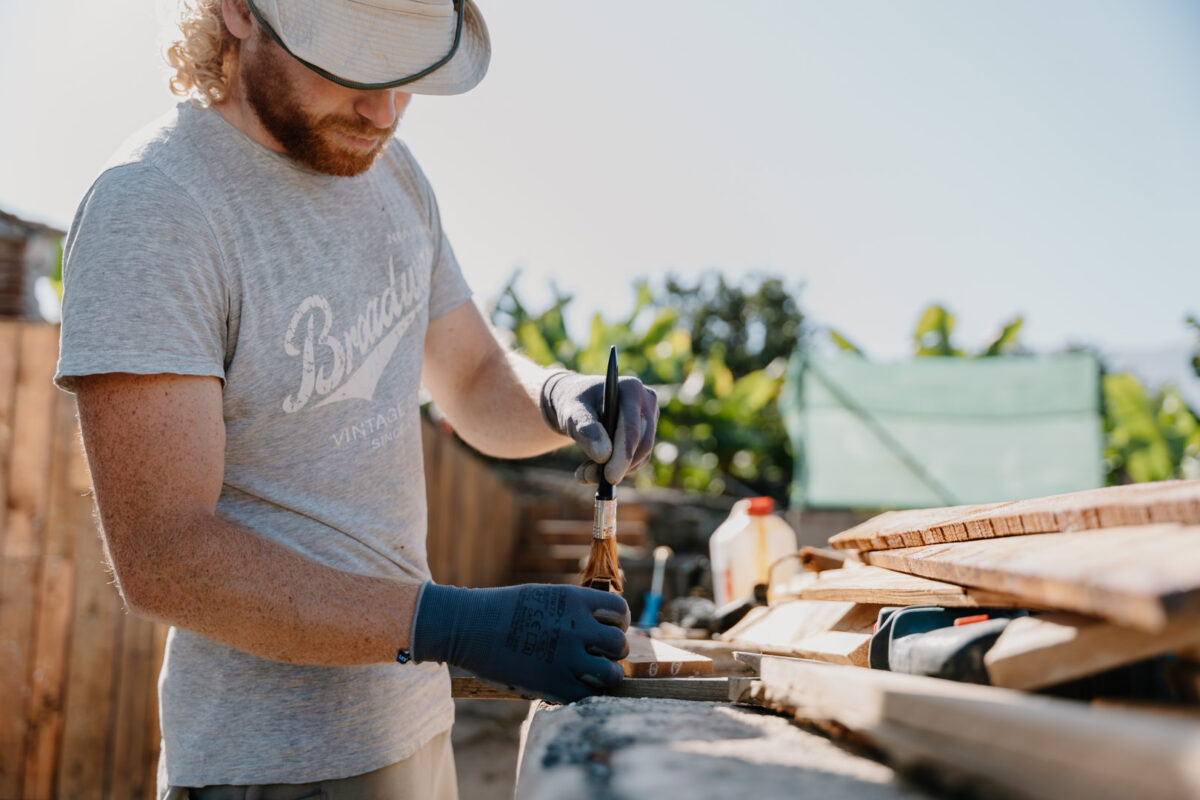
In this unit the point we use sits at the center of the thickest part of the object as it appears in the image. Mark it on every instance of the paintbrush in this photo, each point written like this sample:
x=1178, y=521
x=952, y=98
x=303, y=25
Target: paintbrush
x=603, y=571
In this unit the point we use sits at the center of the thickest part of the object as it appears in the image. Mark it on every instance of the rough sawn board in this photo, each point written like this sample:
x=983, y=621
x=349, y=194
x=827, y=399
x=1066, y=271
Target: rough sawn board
x=1112, y=506
x=864, y=584
x=1137, y=576
x=1035, y=652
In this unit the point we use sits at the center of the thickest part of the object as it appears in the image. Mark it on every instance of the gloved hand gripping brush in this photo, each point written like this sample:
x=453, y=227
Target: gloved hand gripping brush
x=602, y=569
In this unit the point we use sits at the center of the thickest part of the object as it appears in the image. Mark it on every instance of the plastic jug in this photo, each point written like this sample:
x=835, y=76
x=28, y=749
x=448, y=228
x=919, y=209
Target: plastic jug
x=745, y=545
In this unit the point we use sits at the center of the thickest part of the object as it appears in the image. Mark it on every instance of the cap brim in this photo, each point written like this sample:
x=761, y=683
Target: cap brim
x=358, y=47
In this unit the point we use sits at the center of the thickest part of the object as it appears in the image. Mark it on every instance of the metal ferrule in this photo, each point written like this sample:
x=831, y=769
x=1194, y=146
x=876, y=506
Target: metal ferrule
x=604, y=524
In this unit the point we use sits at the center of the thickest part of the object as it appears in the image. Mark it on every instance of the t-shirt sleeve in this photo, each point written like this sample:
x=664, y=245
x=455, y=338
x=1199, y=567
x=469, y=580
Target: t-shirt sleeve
x=144, y=288
x=448, y=289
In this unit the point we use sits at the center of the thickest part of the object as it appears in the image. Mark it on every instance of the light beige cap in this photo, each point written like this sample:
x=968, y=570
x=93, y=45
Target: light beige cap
x=379, y=44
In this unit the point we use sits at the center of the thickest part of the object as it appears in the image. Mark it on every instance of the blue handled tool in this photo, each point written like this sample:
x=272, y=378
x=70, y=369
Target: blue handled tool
x=654, y=597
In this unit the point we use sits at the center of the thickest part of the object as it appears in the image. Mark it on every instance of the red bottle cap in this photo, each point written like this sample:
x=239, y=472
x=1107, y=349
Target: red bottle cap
x=761, y=506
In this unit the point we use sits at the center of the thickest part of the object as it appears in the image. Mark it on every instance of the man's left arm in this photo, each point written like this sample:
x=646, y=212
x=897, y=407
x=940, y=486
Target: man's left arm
x=504, y=405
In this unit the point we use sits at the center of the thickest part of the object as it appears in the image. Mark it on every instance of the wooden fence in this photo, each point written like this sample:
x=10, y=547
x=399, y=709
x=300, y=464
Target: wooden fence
x=78, y=706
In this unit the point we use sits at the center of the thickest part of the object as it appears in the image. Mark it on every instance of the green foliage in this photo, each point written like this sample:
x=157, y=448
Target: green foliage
x=650, y=342
x=932, y=336
x=751, y=324
x=1194, y=324
x=1149, y=437
x=56, y=272
x=844, y=344
x=1006, y=343
x=719, y=422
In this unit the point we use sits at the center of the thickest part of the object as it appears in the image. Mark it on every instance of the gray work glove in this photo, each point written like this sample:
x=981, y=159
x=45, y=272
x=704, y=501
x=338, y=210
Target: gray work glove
x=571, y=406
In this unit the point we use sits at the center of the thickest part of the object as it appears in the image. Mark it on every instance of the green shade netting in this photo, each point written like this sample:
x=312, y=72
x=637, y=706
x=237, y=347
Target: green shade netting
x=942, y=431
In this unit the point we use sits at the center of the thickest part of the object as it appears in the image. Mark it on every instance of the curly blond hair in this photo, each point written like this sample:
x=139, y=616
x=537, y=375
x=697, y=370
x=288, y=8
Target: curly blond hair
x=202, y=58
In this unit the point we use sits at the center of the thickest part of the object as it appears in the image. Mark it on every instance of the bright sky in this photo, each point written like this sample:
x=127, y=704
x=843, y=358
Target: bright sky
x=1029, y=157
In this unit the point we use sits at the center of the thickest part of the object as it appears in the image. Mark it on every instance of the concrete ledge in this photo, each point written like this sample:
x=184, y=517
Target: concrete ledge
x=616, y=748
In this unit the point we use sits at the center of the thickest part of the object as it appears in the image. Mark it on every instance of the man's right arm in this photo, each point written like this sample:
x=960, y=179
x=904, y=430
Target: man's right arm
x=155, y=447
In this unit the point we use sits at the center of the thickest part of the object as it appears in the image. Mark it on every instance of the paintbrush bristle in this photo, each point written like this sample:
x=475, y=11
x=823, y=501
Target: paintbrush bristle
x=602, y=563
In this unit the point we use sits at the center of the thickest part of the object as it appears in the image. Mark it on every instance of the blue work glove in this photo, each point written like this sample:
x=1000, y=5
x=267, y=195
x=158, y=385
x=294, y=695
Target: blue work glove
x=571, y=406
x=555, y=641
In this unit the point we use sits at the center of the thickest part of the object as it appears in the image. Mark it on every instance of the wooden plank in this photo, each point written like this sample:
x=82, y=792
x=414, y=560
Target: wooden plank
x=494, y=515
x=579, y=531
x=887, y=587
x=18, y=601
x=859, y=619
x=1034, y=652
x=779, y=628
x=433, y=511
x=468, y=533
x=786, y=622
x=44, y=712
x=90, y=685
x=650, y=658
x=721, y=653
x=135, y=687
x=837, y=632
x=447, y=512
x=901, y=528
x=503, y=543
x=553, y=558
x=1134, y=576
x=818, y=559
x=33, y=420
x=488, y=525
x=705, y=689
x=9, y=349
x=70, y=504
x=1111, y=506
x=836, y=647
x=1016, y=742
x=68, y=512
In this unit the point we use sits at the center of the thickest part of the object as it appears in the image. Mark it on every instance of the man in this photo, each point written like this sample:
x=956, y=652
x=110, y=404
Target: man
x=251, y=285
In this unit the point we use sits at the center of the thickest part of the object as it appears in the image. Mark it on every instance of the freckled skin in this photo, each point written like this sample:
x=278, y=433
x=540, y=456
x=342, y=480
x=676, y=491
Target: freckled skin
x=155, y=447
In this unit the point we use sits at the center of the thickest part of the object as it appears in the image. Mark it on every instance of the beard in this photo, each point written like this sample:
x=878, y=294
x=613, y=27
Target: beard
x=309, y=139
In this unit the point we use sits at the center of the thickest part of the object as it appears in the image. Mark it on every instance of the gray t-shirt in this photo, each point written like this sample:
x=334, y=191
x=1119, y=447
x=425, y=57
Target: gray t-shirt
x=200, y=252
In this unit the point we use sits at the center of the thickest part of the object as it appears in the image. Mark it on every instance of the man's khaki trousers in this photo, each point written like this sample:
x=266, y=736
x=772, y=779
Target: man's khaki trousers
x=428, y=774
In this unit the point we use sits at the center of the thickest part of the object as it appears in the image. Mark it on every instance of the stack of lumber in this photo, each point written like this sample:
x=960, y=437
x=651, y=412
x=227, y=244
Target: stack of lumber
x=1110, y=577
x=1120, y=567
